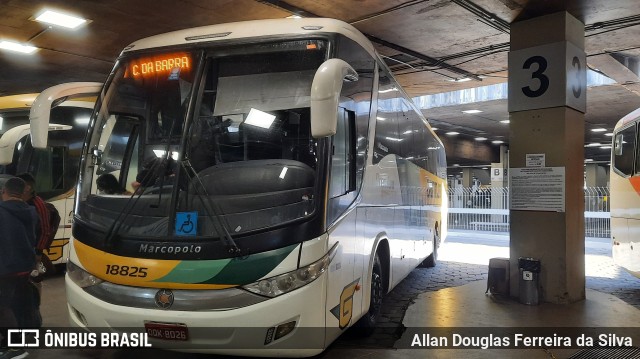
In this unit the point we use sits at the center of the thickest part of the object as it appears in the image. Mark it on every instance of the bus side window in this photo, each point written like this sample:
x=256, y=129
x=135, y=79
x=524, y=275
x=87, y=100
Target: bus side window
x=624, y=146
x=343, y=164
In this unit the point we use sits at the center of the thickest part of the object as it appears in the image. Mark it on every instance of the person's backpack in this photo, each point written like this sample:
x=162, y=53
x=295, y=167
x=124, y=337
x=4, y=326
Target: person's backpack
x=54, y=223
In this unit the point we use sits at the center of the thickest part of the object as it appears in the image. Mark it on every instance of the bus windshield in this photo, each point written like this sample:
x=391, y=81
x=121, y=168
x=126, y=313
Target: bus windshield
x=223, y=153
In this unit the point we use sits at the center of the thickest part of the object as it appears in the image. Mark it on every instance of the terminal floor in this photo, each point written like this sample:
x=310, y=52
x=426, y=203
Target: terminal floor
x=449, y=295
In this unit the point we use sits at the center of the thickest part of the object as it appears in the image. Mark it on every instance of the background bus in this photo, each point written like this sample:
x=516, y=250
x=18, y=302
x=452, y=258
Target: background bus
x=282, y=183
x=625, y=194
x=55, y=168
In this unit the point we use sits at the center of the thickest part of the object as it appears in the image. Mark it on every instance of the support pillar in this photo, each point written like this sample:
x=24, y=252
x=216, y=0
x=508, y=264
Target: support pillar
x=547, y=101
x=499, y=181
x=467, y=177
x=595, y=175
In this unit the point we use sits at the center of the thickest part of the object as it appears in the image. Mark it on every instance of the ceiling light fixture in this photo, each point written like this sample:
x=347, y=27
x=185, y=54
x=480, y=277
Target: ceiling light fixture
x=605, y=147
x=609, y=134
x=434, y=128
x=464, y=79
x=481, y=138
x=259, y=118
x=452, y=133
x=497, y=142
x=505, y=121
x=60, y=19
x=598, y=129
x=471, y=111
x=14, y=46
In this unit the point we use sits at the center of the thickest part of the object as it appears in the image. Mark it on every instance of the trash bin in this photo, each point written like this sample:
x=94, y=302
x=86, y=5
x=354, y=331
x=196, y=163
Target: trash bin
x=498, y=277
x=529, y=281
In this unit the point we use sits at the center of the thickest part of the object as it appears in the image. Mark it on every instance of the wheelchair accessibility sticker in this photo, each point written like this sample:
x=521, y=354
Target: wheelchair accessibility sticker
x=186, y=223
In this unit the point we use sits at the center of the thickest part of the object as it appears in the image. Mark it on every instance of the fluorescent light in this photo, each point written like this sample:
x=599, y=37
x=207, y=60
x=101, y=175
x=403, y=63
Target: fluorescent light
x=14, y=46
x=484, y=168
x=605, y=147
x=481, y=138
x=434, y=128
x=82, y=120
x=407, y=132
x=497, y=142
x=1, y=122
x=588, y=160
x=161, y=153
x=505, y=121
x=394, y=139
x=452, y=133
x=259, y=119
x=598, y=129
x=609, y=134
x=456, y=165
x=471, y=111
x=380, y=118
x=64, y=20
x=388, y=90
x=284, y=172
x=593, y=144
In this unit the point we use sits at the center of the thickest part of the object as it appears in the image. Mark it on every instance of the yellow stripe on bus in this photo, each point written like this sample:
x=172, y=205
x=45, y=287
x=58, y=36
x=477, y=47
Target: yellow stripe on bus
x=139, y=272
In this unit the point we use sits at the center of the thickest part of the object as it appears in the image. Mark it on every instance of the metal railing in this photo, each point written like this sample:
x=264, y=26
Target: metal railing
x=487, y=209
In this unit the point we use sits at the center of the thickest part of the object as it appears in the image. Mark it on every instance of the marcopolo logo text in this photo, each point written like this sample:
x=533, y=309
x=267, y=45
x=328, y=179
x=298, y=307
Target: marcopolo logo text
x=167, y=249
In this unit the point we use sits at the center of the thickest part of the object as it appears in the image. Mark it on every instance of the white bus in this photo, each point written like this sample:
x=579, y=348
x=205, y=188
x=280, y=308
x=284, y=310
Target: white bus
x=55, y=168
x=625, y=194
x=280, y=183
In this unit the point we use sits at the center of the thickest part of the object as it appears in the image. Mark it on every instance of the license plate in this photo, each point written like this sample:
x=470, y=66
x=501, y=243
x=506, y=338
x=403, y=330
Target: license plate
x=167, y=331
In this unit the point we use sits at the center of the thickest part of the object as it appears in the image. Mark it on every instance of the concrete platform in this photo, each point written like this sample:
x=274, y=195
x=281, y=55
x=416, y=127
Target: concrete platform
x=468, y=306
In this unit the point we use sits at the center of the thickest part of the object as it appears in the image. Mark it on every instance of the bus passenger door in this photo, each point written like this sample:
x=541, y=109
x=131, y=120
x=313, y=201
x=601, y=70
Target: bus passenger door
x=344, y=296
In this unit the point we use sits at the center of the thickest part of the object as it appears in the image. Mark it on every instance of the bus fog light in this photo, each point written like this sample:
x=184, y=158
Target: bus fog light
x=275, y=333
x=284, y=329
x=80, y=316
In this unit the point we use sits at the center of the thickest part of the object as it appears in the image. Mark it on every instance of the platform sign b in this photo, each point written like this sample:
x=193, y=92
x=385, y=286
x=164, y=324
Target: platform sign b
x=186, y=224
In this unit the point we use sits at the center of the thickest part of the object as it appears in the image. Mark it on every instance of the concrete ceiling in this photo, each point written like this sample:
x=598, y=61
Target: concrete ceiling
x=427, y=43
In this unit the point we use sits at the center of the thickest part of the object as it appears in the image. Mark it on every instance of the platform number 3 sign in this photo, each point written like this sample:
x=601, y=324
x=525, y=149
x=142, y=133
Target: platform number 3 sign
x=547, y=76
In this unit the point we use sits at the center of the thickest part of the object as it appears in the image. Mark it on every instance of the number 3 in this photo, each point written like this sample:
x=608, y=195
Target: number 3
x=577, y=91
x=538, y=74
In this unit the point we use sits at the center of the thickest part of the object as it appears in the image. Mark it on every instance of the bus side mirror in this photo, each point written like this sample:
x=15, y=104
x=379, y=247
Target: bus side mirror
x=617, y=145
x=325, y=95
x=48, y=99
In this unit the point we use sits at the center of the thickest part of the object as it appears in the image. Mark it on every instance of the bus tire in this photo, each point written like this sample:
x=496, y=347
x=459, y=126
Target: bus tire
x=432, y=260
x=367, y=324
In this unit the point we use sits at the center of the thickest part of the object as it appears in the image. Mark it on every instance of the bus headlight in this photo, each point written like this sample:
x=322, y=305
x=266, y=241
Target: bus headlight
x=287, y=282
x=81, y=277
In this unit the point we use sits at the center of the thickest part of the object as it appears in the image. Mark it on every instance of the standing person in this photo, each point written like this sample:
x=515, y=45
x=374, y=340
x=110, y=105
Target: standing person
x=43, y=230
x=17, y=257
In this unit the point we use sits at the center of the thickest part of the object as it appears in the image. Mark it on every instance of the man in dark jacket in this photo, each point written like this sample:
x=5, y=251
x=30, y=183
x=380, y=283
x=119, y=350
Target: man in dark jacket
x=17, y=255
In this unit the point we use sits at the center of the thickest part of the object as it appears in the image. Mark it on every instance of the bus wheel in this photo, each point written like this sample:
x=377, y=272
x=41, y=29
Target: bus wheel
x=367, y=323
x=432, y=259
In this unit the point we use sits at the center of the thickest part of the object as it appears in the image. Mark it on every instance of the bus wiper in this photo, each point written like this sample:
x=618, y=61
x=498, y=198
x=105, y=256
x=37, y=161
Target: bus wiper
x=209, y=207
x=115, y=227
